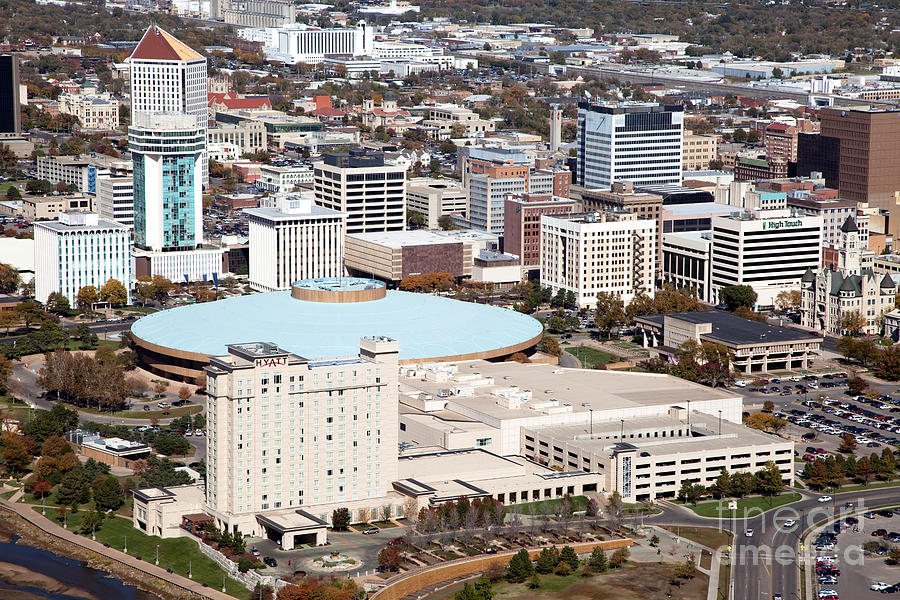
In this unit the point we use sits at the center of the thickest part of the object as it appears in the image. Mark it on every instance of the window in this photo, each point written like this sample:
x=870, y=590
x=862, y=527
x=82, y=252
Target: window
x=482, y=441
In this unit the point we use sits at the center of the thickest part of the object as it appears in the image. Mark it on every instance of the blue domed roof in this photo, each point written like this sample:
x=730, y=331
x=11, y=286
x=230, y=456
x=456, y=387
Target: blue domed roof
x=426, y=326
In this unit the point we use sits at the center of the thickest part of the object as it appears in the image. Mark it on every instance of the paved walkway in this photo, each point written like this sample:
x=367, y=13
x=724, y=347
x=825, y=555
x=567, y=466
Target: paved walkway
x=51, y=528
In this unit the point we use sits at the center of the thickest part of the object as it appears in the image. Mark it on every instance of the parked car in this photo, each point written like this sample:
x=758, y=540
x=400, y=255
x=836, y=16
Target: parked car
x=254, y=551
x=370, y=531
x=270, y=562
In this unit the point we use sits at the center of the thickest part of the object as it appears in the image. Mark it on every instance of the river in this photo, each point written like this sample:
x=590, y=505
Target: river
x=28, y=573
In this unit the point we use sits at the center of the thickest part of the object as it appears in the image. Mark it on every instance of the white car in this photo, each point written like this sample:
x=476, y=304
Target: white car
x=749, y=533
x=824, y=499
x=790, y=523
x=878, y=586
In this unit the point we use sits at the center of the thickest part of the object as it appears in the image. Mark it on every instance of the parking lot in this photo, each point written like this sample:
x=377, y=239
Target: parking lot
x=860, y=569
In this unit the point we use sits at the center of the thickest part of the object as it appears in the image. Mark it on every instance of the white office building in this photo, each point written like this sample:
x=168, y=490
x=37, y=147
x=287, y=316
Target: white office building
x=769, y=251
x=590, y=253
x=285, y=433
x=435, y=198
x=294, y=240
x=685, y=261
x=115, y=199
x=78, y=250
x=629, y=142
x=167, y=76
x=282, y=180
x=487, y=196
x=301, y=43
x=370, y=191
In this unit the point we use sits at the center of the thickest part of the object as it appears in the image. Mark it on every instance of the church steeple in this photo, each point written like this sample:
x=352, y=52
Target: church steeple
x=848, y=249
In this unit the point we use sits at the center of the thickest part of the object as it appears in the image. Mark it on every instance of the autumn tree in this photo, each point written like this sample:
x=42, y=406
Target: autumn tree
x=610, y=312
x=888, y=364
x=852, y=322
x=848, y=443
x=114, y=292
x=184, y=392
x=788, y=300
x=87, y=297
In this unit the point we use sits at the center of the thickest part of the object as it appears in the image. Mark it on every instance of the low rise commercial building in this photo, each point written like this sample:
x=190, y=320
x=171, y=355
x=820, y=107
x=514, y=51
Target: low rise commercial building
x=114, y=452
x=686, y=262
x=444, y=117
x=391, y=256
x=48, y=208
x=589, y=253
x=755, y=346
x=754, y=169
x=81, y=171
x=698, y=151
x=281, y=180
x=248, y=136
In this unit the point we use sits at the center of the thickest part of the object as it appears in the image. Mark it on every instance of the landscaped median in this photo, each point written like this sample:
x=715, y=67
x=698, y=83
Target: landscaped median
x=751, y=506
x=414, y=581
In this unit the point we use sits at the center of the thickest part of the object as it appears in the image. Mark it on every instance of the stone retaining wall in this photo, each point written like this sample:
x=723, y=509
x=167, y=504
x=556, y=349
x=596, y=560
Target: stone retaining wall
x=414, y=581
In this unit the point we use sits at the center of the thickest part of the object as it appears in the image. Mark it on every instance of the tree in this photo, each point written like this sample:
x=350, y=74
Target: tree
x=598, y=561
x=549, y=345
x=788, y=300
x=722, y=485
x=519, y=568
x=109, y=494
x=862, y=350
x=483, y=589
x=864, y=469
x=769, y=481
x=16, y=455
x=184, y=392
x=690, y=491
x=735, y=296
x=547, y=560
x=5, y=373
x=87, y=297
x=389, y=557
x=888, y=464
x=445, y=222
x=340, y=519
x=114, y=292
x=610, y=312
x=852, y=322
x=856, y=385
x=416, y=219
x=848, y=443
x=619, y=557
x=816, y=475
x=74, y=489
x=567, y=555
x=894, y=555
x=685, y=570
x=466, y=593
x=91, y=522
x=888, y=365
x=10, y=280
x=57, y=303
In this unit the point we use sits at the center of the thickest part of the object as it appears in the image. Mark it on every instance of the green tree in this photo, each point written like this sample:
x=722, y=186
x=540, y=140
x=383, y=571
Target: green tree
x=567, y=555
x=598, y=561
x=10, y=280
x=74, y=489
x=114, y=292
x=547, y=560
x=340, y=519
x=722, y=485
x=888, y=464
x=483, y=589
x=690, y=491
x=519, y=568
x=91, y=522
x=685, y=570
x=109, y=494
x=447, y=147
x=445, y=222
x=57, y=303
x=610, y=312
x=466, y=593
x=416, y=219
x=735, y=296
x=769, y=481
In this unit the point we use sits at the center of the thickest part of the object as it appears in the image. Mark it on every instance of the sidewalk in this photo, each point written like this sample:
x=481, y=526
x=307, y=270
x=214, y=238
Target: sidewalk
x=49, y=527
x=672, y=548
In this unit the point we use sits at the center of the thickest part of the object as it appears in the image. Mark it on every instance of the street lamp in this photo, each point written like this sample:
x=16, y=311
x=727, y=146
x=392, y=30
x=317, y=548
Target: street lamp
x=190, y=572
x=157, y=555
x=720, y=423
x=591, y=410
x=622, y=434
x=125, y=545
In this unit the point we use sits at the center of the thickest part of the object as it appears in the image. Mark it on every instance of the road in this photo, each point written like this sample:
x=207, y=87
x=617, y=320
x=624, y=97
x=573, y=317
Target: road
x=766, y=563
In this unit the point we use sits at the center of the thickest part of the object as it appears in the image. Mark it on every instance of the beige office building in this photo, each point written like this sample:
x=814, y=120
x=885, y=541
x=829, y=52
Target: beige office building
x=590, y=253
x=698, y=150
x=249, y=136
x=435, y=198
x=48, y=208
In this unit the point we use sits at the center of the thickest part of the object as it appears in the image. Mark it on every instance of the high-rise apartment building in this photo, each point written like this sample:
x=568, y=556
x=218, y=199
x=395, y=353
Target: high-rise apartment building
x=781, y=142
x=590, y=253
x=361, y=184
x=623, y=197
x=869, y=164
x=10, y=117
x=641, y=143
x=284, y=431
x=78, y=250
x=293, y=240
x=167, y=76
x=167, y=151
x=487, y=195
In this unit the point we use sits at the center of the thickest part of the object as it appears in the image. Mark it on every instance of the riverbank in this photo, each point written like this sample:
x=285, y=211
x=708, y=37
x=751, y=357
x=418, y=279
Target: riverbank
x=151, y=587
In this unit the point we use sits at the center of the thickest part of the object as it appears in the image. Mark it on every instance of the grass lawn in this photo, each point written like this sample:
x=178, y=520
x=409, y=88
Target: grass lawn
x=705, y=536
x=144, y=310
x=725, y=581
x=18, y=409
x=384, y=524
x=746, y=507
x=589, y=356
x=76, y=344
x=5, y=185
x=9, y=494
x=652, y=582
x=871, y=486
x=547, y=506
x=174, y=553
x=169, y=413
